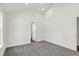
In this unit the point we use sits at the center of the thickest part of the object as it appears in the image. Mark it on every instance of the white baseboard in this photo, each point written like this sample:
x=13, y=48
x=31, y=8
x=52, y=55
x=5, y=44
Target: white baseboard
x=18, y=44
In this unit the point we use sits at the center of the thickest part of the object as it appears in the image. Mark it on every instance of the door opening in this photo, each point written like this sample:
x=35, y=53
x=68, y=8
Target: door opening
x=77, y=33
x=33, y=31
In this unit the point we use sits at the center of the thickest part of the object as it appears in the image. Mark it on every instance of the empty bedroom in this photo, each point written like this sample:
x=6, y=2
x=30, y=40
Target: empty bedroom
x=39, y=29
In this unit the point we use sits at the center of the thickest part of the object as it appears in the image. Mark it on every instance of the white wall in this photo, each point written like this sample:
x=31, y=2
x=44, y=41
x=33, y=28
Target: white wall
x=60, y=25
x=18, y=27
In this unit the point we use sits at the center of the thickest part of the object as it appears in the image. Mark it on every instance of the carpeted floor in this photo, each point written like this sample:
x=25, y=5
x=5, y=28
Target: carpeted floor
x=42, y=48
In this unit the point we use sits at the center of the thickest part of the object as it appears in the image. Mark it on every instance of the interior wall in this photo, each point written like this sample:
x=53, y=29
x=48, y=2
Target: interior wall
x=18, y=27
x=60, y=25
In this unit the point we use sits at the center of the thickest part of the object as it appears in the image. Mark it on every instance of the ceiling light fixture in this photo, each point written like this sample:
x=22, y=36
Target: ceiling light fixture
x=27, y=3
x=42, y=8
x=41, y=3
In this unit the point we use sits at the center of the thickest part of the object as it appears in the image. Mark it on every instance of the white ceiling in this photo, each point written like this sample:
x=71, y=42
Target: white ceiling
x=36, y=7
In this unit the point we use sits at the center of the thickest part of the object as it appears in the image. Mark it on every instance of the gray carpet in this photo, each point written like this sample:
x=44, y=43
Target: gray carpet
x=42, y=48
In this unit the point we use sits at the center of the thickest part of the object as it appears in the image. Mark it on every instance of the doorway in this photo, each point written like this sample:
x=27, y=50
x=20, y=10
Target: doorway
x=77, y=33
x=33, y=31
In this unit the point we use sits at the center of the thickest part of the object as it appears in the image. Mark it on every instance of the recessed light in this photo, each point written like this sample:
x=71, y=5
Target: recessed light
x=42, y=8
x=41, y=3
x=27, y=3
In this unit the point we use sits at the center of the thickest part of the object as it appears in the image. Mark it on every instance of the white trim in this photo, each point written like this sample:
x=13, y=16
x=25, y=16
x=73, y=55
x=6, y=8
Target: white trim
x=1, y=45
x=1, y=29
